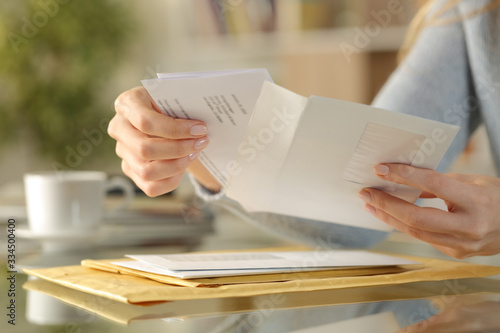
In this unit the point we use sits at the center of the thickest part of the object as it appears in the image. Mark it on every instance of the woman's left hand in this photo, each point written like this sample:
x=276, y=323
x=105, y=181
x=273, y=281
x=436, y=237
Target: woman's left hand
x=470, y=227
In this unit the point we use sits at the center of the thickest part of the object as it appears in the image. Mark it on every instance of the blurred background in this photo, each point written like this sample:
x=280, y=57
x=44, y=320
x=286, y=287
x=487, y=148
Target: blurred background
x=64, y=62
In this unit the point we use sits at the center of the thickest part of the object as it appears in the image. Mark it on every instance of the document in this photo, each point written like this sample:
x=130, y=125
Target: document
x=278, y=152
x=191, y=265
x=224, y=100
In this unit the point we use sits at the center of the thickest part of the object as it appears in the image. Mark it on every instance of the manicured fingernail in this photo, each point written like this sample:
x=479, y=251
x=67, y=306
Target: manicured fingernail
x=194, y=155
x=365, y=196
x=370, y=209
x=201, y=143
x=199, y=130
x=382, y=170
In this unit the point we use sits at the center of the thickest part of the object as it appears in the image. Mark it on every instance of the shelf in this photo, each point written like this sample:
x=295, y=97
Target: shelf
x=276, y=44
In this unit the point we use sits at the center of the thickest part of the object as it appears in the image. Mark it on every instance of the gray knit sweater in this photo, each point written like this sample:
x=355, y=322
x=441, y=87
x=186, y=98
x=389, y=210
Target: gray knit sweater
x=452, y=74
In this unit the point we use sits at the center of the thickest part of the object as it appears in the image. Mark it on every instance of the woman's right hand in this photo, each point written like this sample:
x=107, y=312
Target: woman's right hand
x=155, y=149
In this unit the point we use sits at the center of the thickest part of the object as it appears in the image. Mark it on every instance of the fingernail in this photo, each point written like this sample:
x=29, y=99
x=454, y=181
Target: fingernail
x=370, y=209
x=194, y=155
x=199, y=130
x=365, y=196
x=201, y=143
x=382, y=170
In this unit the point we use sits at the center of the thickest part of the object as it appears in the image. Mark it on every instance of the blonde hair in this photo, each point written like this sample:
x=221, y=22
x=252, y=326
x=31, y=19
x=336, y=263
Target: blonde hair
x=422, y=19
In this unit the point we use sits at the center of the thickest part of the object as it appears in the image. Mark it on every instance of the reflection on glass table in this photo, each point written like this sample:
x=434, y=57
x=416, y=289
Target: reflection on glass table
x=412, y=307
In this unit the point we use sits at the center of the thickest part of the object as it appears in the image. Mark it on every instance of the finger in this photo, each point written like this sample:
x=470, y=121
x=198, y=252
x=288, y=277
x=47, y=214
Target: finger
x=153, y=170
x=152, y=188
x=422, y=218
x=453, y=252
x=465, y=178
x=438, y=239
x=137, y=106
x=427, y=180
x=427, y=195
x=153, y=148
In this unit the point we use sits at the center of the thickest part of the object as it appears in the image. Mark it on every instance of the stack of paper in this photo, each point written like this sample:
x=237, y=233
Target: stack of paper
x=190, y=266
x=279, y=152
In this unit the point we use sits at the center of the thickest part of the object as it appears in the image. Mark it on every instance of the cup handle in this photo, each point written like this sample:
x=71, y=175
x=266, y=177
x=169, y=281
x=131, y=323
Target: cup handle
x=128, y=193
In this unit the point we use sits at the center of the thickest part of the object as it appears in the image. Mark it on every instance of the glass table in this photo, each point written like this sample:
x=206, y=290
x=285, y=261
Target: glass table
x=465, y=305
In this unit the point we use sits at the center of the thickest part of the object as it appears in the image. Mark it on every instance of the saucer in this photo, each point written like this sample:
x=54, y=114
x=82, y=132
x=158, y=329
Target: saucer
x=69, y=235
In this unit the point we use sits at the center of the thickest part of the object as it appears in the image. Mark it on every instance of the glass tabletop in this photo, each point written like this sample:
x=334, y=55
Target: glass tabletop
x=457, y=305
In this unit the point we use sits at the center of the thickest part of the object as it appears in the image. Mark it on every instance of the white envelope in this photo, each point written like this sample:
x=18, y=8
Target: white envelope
x=314, y=166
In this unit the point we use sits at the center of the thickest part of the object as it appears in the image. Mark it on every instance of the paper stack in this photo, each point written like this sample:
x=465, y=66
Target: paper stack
x=189, y=266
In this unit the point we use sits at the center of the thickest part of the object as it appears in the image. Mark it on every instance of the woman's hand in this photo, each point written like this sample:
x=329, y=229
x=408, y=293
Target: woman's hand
x=470, y=227
x=155, y=149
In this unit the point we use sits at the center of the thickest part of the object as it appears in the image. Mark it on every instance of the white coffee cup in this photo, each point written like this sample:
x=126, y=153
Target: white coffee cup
x=71, y=201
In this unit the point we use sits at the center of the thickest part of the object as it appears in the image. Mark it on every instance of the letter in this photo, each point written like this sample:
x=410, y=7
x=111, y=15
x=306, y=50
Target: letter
x=84, y=148
x=451, y=118
x=392, y=6
x=199, y=203
x=278, y=298
x=308, y=262
x=383, y=17
x=348, y=50
x=12, y=322
x=259, y=319
x=40, y=19
x=244, y=326
x=428, y=147
x=72, y=158
x=274, y=128
x=361, y=40
x=28, y=29
x=425, y=312
x=284, y=116
x=16, y=41
x=483, y=88
x=94, y=136
x=472, y=103
x=438, y=305
x=321, y=255
x=73, y=327
x=242, y=150
x=253, y=141
x=266, y=135
x=265, y=305
x=59, y=168
x=51, y=7
x=233, y=168
x=414, y=318
x=103, y=124
x=417, y=157
x=370, y=31
x=438, y=135
x=455, y=288
x=447, y=299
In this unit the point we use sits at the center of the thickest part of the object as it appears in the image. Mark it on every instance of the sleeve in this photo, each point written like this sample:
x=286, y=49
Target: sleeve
x=316, y=234
x=434, y=81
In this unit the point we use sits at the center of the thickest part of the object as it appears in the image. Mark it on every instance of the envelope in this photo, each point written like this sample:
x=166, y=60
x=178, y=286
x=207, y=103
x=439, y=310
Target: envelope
x=127, y=313
x=106, y=265
x=139, y=290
